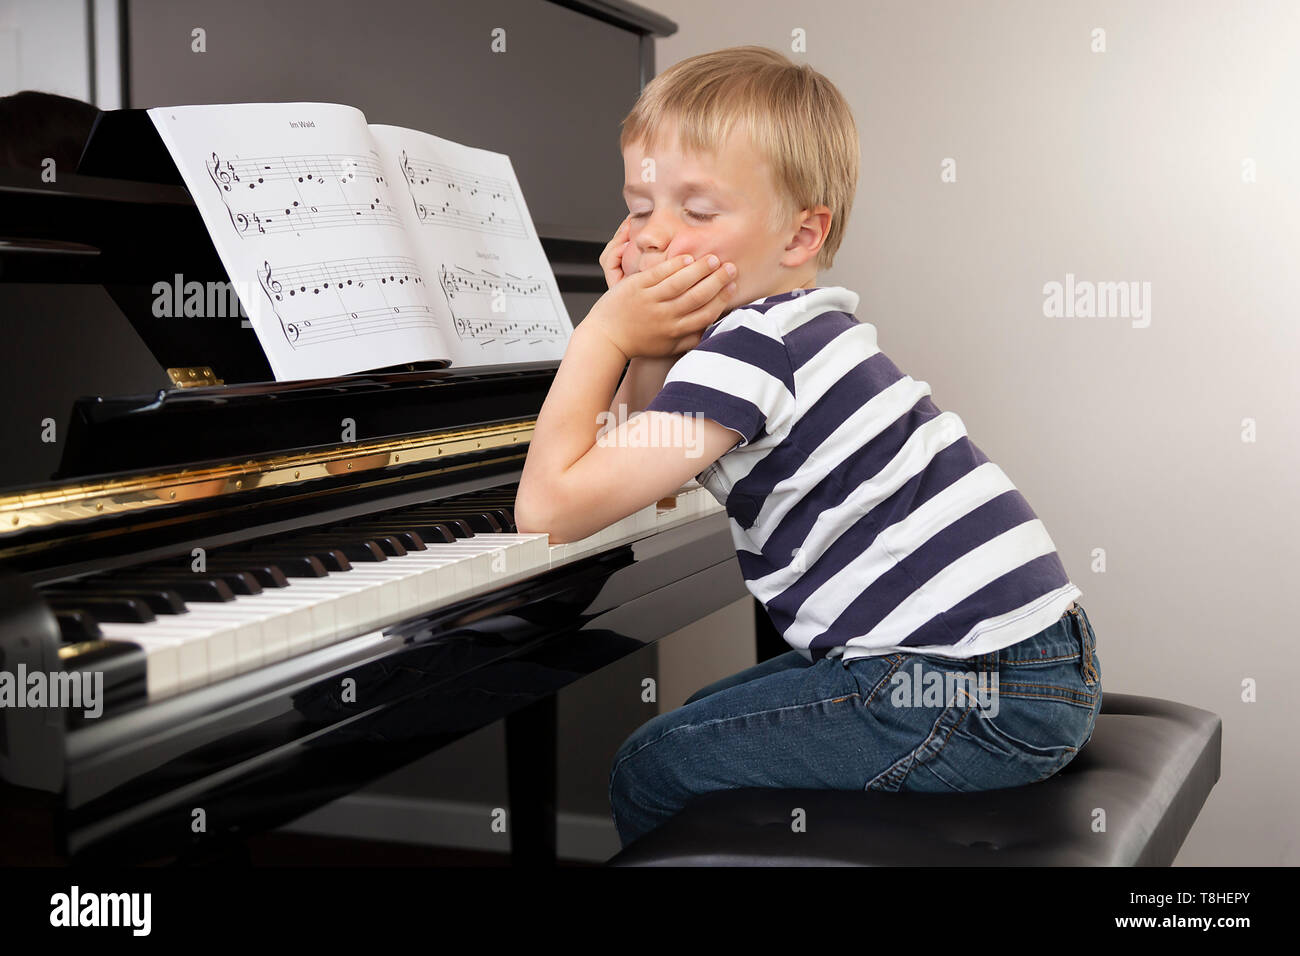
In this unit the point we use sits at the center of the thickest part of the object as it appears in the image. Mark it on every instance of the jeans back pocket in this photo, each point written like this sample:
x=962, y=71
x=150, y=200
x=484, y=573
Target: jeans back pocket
x=1003, y=737
x=974, y=752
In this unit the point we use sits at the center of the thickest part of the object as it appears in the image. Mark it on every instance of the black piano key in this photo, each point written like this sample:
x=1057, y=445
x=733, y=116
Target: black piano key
x=123, y=610
x=435, y=533
x=407, y=537
x=458, y=526
x=239, y=582
x=304, y=559
x=483, y=521
x=265, y=574
x=356, y=549
x=160, y=600
x=196, y=587
x=192, y=586
x=297, y=561
x=502, y=509
x=76, y=627
x=389, y=544
x=478, y=521
x=491, y=500
x=430, y=531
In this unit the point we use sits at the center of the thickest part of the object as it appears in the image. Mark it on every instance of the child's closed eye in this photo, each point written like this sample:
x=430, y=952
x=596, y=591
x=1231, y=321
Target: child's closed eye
x=702, y=217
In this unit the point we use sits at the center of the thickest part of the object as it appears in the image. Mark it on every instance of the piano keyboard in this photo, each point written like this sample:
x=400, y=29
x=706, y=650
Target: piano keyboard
x=270, y=600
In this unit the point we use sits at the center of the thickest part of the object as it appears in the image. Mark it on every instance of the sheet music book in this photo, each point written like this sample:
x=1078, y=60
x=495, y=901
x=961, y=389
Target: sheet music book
x=356, y=246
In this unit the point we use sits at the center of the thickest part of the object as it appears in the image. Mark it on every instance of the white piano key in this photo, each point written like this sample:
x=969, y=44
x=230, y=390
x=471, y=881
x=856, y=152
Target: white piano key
x=442, y=578
x=386, y=586
x=162, y=650
x=216, y=640
x=335, y=590
x=247, y=631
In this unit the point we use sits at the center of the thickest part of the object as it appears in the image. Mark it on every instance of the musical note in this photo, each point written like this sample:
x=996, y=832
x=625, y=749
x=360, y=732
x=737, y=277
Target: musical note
x=323, y=302
x=289, y=193
x=487, y=307
x=459, y=274
x=446, y=196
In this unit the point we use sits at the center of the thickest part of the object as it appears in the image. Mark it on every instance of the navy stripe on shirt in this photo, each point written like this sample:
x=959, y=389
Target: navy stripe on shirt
x=864, y=518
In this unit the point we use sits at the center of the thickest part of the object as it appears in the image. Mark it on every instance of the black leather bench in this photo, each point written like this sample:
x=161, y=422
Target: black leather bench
x=1150, y=766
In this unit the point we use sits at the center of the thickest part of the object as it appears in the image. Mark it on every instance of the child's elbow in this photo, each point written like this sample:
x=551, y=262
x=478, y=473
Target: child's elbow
x=528, y=520
x=531, y=519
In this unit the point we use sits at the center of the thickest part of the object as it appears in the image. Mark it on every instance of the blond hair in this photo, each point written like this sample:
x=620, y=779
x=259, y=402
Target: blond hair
x=797, y=121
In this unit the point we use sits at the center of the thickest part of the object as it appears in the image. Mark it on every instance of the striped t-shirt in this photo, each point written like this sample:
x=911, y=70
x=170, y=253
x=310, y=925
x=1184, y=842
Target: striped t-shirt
x=864, y=518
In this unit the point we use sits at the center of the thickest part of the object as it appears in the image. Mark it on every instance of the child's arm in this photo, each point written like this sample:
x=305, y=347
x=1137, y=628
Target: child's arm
x=643, y=381
x=573, y=485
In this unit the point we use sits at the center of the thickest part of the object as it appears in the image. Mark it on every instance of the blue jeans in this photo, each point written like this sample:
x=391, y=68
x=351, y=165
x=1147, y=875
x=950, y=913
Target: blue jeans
x=898, y=722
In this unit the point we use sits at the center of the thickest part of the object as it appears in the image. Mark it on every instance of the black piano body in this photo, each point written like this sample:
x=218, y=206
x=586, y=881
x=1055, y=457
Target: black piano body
x=253, y=479
x=259, y=748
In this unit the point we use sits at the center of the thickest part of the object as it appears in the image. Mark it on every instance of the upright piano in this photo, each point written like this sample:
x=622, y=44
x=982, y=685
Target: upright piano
x=280, y=616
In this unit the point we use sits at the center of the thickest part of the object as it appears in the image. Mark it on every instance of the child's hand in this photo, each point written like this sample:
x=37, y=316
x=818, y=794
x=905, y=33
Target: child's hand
x=664, y=311
x=611, y=260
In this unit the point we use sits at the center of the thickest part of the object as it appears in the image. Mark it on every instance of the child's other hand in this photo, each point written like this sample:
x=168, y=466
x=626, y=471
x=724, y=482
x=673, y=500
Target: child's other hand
x=611, y=260
x=664, y=311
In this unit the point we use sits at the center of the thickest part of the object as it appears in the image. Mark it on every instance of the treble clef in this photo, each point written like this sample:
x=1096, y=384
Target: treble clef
x=219, y=175
x=222, y=177
x=269, y=282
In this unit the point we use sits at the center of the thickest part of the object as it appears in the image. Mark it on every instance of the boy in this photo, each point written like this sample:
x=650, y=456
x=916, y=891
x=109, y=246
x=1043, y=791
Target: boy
x=906, y=571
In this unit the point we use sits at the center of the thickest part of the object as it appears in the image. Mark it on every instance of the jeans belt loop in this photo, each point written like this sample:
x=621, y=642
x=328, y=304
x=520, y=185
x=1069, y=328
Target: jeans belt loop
x=1087, y=641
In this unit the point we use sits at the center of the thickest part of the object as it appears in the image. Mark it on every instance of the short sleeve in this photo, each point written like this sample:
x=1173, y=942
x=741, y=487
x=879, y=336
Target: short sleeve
x=739, y=375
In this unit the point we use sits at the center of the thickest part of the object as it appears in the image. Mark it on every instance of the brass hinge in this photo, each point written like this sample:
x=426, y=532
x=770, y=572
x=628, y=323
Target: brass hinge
x=193, y=376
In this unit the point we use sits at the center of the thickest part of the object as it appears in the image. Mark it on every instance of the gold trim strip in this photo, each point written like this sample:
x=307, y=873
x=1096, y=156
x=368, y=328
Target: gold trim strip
x=76, y=501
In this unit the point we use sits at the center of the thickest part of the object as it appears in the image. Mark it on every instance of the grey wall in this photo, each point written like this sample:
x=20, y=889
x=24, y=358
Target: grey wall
x=44, y=46
x=1117, y=166
x=552, y=100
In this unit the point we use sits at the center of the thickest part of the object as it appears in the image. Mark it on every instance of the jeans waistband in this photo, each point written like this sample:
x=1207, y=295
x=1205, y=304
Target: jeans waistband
x=1071, y=635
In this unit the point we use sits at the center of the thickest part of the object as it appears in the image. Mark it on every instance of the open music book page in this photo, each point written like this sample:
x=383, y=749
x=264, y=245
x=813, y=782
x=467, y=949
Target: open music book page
x=346, y=256
x=476, y=244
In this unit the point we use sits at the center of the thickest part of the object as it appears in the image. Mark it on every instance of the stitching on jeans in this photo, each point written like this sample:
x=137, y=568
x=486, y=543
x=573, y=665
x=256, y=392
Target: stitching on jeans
x=1086, y=702
x=900, y=768
x=935, y=729
x=1020, y=683
x=708, y=723
x=884, y=680
x=756, y=713
x=1021, y=661
x=1070, y=753
x=723, y=720
x=1045, y=687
